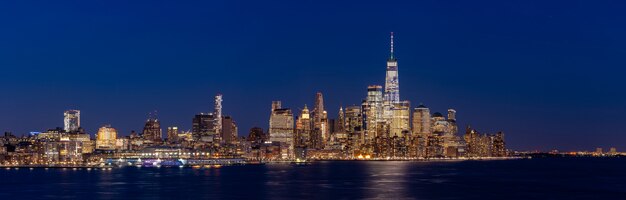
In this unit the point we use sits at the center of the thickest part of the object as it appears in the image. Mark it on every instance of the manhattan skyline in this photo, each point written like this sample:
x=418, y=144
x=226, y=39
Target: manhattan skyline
x=536, y=76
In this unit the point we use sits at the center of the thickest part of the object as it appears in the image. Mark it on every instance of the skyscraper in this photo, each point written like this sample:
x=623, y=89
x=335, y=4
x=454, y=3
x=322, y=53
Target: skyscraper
x=71, y=120
x=218, y=114
x=353, y=119
x=392, y=85
x=229, y=130
x=421, y=121
x=452, y=121
x=172, y=134
x=281, y=128
x=202, y=127
x=340, y=124
x=499, y=148
x=373, y=112
x=319, y=103
x=320, y=132
x=400, y=122
x=152, y=130
x=106, y=138
x=303, y=128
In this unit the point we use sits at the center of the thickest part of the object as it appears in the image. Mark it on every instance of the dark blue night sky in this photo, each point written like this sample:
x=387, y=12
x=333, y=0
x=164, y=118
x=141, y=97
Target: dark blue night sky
x=550, y=74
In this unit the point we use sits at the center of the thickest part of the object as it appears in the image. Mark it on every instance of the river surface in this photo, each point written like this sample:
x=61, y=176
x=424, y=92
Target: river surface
x=540, y=178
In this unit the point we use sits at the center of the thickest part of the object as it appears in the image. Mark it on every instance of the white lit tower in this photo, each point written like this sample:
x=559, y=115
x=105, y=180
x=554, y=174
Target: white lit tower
x=392, y=85
x=218, y=114
x=71, y=120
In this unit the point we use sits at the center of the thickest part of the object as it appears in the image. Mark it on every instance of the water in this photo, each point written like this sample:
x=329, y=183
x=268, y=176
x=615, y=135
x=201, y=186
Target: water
x=549, y=178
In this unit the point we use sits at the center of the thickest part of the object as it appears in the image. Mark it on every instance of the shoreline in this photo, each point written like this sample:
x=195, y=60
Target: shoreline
x=430, y=159
x=280, y=162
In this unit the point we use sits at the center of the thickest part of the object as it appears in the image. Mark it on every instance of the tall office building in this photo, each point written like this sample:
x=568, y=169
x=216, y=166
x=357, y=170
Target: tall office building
x=498, y=145
x=439, y=124
x=373, y=112
x=353, y=119
x=152, y=131
x=319, y=103
x=421, y=121
x=202, y=127
x=400, y=119
x=229, y=130
x=172, y=134
x=340, y=124
x=392, y=85
x=71, y=120
x=303, y=128
x=320, y=122
x=452, y=121
x=106, y=138
x=218, y=114
x=282, y=128
x=331, y=128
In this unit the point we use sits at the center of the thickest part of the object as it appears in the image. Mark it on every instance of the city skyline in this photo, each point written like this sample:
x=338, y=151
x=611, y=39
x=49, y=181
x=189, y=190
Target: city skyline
x=542, y=100
x=380, y=108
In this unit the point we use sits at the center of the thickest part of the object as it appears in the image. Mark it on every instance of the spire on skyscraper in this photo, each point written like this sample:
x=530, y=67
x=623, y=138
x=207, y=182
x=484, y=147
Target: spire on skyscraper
x=391, y=51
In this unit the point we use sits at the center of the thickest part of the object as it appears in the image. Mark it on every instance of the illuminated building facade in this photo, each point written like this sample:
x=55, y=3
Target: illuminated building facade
x=421, y=121
x=282, y=128
x=172, y=135
x=71, y=120
x=484, y=145
x=372, y=108
x=152, y=131
x=106, y=138
x=229, y=130
x=303, y=128
x=320, y=132
x=218, y=114
x=400, y=125
x=339, y=136
x=354, y=129
x=340, y=123
x=353, y=119
x=202, y=127
x=256, y=135
x=392, y=84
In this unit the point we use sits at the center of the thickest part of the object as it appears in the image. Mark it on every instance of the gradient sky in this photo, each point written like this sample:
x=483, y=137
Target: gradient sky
x=550, y=74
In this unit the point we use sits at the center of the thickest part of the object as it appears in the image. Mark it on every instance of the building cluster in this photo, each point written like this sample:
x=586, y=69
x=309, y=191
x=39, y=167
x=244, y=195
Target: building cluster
x=382, y=126
x=484, y=145
x=213, y=136
x=63, y=146
x=599, y=152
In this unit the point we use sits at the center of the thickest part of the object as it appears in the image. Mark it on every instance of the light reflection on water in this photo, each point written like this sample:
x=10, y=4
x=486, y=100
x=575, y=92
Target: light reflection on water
x=387, y=180
x=517, y=179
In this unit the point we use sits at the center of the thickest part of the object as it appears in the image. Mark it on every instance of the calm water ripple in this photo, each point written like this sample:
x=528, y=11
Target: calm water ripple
x=552, y=178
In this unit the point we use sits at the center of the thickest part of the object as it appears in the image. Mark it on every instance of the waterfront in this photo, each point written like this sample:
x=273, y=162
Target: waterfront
x=545, y=178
